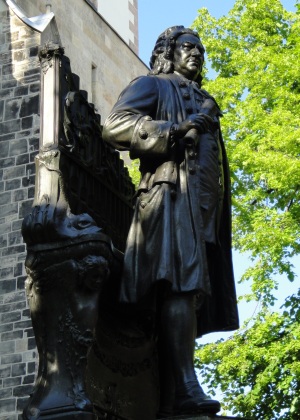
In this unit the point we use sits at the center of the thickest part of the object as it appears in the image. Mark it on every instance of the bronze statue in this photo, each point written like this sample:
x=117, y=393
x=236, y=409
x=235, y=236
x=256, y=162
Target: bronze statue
x=178, y=259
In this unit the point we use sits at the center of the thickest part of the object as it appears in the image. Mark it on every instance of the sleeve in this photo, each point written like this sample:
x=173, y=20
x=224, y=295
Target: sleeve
x=132, y=125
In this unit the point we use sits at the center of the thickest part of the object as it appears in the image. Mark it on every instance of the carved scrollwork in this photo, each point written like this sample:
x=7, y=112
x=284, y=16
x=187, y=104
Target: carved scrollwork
x=47, y=53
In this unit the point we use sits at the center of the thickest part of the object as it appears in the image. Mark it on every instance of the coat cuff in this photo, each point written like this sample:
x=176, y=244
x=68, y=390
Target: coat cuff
x=151, y=138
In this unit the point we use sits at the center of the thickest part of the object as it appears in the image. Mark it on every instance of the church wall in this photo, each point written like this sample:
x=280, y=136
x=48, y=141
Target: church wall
x=105, y=65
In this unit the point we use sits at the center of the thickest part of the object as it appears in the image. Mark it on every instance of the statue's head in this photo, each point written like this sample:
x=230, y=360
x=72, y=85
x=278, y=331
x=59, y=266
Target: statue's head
x=178, y=49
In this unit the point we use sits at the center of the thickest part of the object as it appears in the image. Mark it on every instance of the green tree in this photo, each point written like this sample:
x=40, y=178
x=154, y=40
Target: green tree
x=254, y=51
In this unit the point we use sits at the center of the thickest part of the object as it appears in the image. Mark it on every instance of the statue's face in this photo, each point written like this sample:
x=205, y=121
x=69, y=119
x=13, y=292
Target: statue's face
x=188, y=56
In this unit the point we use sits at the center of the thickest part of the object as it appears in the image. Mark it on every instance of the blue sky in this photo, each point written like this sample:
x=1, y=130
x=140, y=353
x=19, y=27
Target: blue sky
x=157, y=15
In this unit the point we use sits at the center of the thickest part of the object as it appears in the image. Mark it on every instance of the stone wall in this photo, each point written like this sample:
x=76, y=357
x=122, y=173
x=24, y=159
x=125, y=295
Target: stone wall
x=19, y=142
x=90, y=43
x=98, y=55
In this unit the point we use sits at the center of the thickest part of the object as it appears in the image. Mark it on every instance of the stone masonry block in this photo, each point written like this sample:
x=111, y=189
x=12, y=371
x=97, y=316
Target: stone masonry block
x=21, y=404
x=29, y=333
x=19, y=195
x=27, y=123
x=18, y=45
x=10, y=126
x=23, y=390
x=26, y=314
x=32, y=71
x=31, y=366
x=33, y=51
x=26, y=208
x=5, y=227
x=12, y=36
x=8, y=209
x=30, y=356
x=6, y=93
x=22, y=345
x=4, y=149
x=5, y=393
x=23, y=325
x=14, y=250
x=18, y=147
x=7, y=406
x=30, y=105
x=18, y=269
x=6, y=272
x=31, y=192
x=3, y=241
x=31, y=343
x=12, y=382
x=7, y=347
x=7, y=162
x=12, y=307
x=8, y=69
x=6, y=137
x=28, y=379
x=18, y=369
x=5, y=372
x=35, y=87
x=16, y=225
x=5, y=198
x=21, y=282
x=1, y=110
x=31, y=79
x=12, y=185
x=6, y=328
x=20, y=55
x=34, y=143
x=12, y=173
x=15, y=238
x=10, y=317
x=13, y=335
x=15, y=297
x=12, y=108
x=9, y=84
x=22, y=134
x=7, y=286
x=21, y=91
x=5, y=57
x=11, y=358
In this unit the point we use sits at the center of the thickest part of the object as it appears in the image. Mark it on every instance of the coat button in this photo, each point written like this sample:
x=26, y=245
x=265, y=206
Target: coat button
x=143, y=134
x=187, y=96
x=189, y=110
x=148, y=118
x=182, y=84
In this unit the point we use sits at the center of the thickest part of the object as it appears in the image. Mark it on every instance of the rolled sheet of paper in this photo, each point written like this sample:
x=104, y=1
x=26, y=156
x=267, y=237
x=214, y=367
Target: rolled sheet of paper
x=210, y=108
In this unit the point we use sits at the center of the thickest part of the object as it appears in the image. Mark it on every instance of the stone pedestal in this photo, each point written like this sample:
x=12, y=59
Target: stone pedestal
x=203, y=417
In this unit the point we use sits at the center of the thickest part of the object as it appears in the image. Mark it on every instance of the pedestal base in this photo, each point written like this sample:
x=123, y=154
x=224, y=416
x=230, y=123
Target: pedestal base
x=71, y=415
x=202, y=417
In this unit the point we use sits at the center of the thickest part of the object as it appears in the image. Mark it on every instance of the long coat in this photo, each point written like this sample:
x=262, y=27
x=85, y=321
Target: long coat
x=181, y=228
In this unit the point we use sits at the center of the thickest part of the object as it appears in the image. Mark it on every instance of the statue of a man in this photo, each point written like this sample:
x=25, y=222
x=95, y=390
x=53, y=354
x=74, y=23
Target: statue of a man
x=178, y=250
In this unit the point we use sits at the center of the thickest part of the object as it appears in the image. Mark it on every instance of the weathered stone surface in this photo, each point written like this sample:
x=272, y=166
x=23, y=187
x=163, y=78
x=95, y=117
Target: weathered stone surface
x=30, y=105
x=7, y=286
x=1, y=110
x=18, y=147
x=12, y=185
x=4, y=149
x=12, y=108
x=10, y=126
x=27, y=123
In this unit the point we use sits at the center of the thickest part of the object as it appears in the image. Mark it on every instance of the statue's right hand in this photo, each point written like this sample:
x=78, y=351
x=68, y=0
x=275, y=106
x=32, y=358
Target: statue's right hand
x=200, y=122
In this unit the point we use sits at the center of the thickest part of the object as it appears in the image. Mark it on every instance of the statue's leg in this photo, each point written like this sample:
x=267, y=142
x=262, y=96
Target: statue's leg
x=177, y=342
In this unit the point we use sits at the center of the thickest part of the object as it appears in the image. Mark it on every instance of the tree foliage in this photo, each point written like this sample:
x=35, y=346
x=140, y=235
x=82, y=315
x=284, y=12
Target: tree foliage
x=254, y=51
